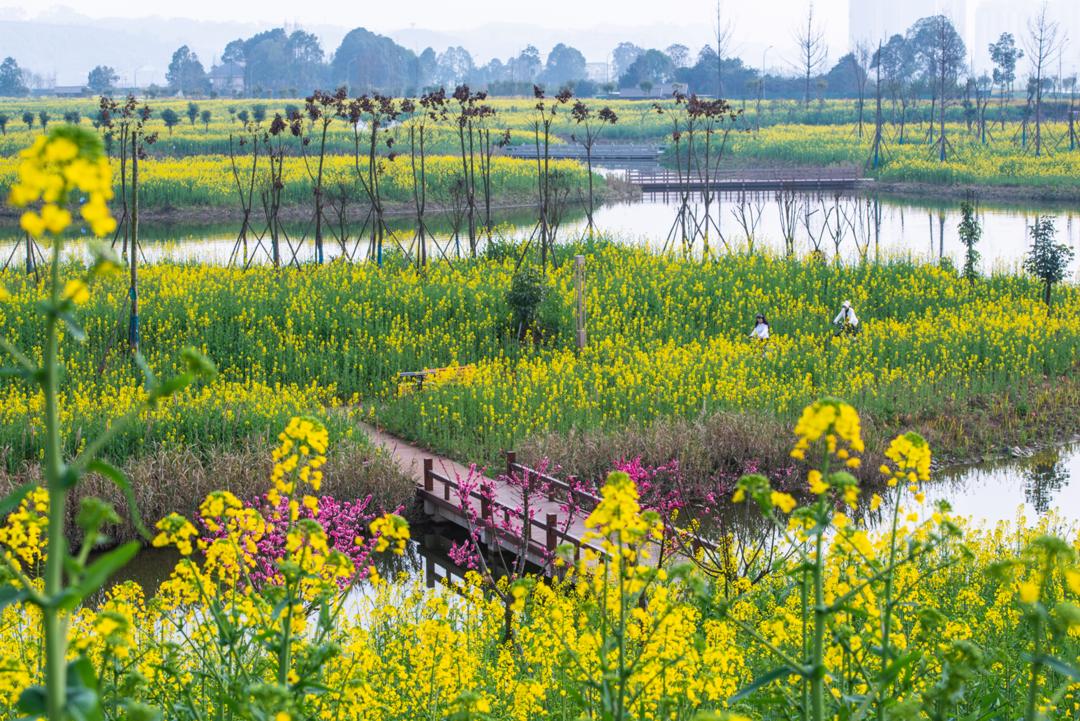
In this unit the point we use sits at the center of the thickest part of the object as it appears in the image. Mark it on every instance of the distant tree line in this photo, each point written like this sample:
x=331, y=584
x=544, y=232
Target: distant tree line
x=926, y=62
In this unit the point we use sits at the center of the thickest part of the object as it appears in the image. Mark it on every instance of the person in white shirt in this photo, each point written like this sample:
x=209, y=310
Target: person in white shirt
x=846, y=321
x=761, y=328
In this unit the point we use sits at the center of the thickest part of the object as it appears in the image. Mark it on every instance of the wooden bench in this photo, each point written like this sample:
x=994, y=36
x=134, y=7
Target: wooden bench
x=420, y=376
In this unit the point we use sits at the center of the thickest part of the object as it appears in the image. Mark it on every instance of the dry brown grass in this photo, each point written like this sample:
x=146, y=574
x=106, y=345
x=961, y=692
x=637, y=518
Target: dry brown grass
x=723, y=444
x=177, y=480
x=1033, y=415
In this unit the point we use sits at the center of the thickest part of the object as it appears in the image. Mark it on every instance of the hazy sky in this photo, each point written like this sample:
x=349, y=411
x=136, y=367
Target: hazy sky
x=758, y=23
x=443, y=14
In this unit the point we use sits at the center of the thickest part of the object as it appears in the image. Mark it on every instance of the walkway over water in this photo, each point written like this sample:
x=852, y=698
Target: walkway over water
x=747, y=179
x=497, y=508
x=601, y=153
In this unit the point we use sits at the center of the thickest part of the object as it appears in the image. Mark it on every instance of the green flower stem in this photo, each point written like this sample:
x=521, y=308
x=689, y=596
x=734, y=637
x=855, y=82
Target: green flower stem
x=55, y=623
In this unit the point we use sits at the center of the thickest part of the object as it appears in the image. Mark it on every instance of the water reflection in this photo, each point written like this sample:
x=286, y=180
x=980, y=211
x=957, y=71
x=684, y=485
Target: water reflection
x=1047, y=482
x=425, y=560
x=1046, y=476
x=852, y=226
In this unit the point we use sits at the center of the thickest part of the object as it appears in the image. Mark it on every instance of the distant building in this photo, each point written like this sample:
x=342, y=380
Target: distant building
x=659, y=90
x=61, y=91
x=598, y=72
x=994, y=17
x=227, y=79
x=878, y=20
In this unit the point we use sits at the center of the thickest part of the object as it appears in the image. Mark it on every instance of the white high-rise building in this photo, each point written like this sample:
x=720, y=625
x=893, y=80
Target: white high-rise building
x=994, y=17
x=877, y=20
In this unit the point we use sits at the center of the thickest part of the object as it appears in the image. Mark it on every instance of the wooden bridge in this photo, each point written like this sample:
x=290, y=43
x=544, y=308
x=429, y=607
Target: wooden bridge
x=501, y=511
x=746, y=179
x=494, y=508
x=600, y=153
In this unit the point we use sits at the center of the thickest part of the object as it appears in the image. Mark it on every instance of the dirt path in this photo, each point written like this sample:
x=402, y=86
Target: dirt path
x=411, y=458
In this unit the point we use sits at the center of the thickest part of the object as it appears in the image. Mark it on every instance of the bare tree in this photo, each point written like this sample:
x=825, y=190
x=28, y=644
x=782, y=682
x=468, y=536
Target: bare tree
x=1004, y=53
x=860, y=63
x=877, y=146
x=943, y=60
x=724, y=30
x=1070, y=84
x=813, y=52
x=1045, y=43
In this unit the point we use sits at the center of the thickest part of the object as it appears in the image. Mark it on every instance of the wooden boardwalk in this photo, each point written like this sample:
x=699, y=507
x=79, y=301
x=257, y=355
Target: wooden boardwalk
x=600, y=152
x=748, y=179
x=497, y=515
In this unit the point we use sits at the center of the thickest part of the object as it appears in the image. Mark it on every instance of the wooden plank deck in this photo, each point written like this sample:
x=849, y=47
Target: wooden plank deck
x=438, y=482
x=748, y=179
x=600, y=152
x=498, y=515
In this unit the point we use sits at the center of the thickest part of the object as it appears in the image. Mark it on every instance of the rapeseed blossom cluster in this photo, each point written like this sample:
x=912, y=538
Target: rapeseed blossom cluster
x=49, y=171
x=298, y=459
x=392, y=531
x=640, y=627
x=22, y=537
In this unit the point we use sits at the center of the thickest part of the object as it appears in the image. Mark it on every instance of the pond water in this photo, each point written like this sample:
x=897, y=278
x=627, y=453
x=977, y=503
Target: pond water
x=1047, y=482
x=1032, y=487
x=846, y=224
x=850, y=225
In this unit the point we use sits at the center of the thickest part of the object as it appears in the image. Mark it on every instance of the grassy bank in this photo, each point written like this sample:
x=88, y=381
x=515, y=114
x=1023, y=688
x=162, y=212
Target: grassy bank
x=1003, y=161
x=208, y=181
x=713, y=450
x=667, y=340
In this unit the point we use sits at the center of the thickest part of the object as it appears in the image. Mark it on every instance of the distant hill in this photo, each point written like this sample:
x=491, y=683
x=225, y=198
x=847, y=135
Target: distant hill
x=61, y=45
x=66, y=46
x=503, y=40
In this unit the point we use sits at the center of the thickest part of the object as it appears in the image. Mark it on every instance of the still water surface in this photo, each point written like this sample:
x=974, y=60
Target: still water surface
x=1047, y=483
x=876, y=226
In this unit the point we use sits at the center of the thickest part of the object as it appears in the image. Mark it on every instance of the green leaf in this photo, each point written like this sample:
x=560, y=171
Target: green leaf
x=198, y=364
x=93, y=514
x=32, y=701
x=140, y=712
x=151, y=379
x=1062, y=667
x=12, y=594
x=896, y=667
x=12, y=500
x=764, y=680
x=122, y=483
x=99, y=572
x=83, y=703
x=24, y=374
x=166, y=388
x=74, y=329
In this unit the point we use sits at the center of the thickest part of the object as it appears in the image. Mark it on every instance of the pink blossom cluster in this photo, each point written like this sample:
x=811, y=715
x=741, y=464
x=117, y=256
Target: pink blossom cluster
x=346, y=525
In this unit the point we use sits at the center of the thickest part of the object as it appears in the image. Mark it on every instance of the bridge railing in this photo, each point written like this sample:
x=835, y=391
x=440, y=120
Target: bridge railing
x=581, y=498
x=545, y=534
x=639, y=176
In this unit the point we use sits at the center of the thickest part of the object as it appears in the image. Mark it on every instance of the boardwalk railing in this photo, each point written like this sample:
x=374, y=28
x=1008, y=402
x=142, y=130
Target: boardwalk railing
x=600, y=153
x=446, y=498
x=653, y=180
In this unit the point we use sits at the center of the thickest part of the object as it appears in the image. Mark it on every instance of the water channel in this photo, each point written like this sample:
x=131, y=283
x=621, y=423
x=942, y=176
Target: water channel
x=1027, y=490
x=872, y=225
x=850, y=224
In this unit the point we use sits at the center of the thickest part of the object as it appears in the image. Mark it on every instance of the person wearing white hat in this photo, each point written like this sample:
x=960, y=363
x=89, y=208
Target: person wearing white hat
x=761, y=328
x=846, y=320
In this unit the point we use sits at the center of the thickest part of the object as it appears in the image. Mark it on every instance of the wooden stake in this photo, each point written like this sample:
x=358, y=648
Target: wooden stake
x=579, y=283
